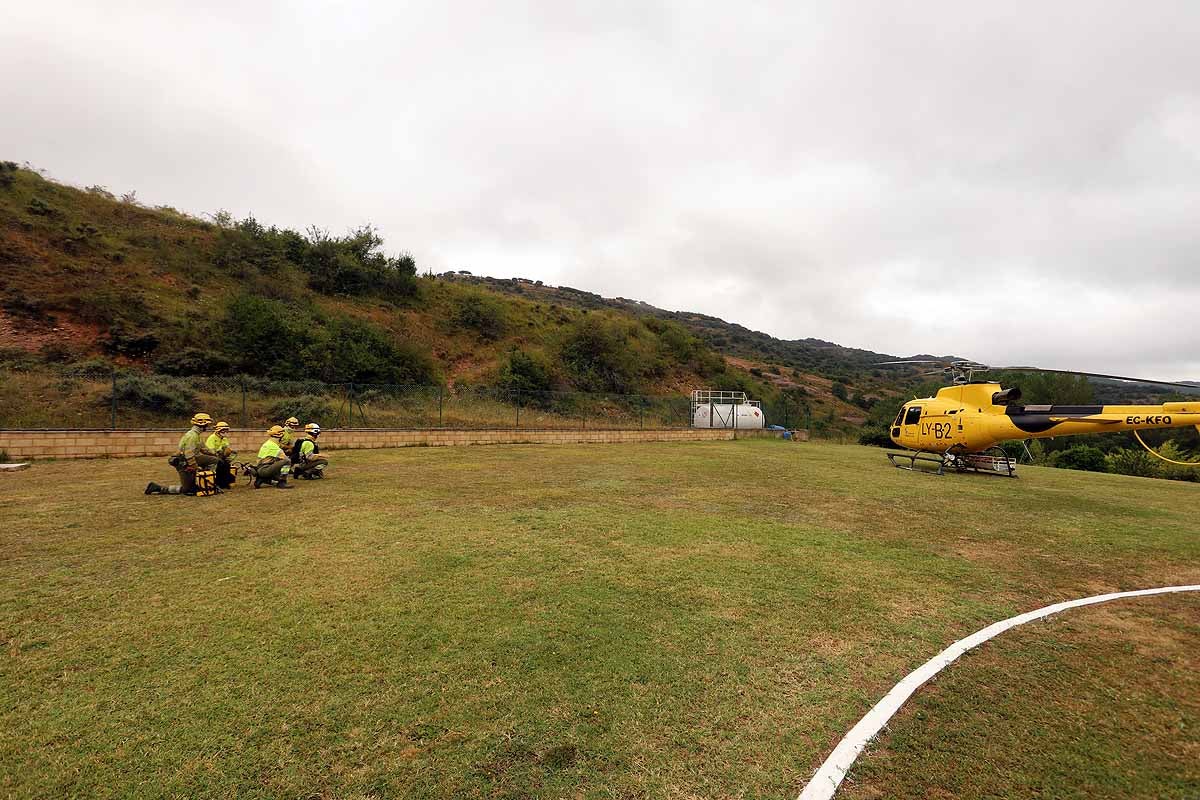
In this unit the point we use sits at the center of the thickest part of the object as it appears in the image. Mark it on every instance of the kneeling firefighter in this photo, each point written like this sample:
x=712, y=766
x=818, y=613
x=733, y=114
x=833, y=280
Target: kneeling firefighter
x=193, y=457
x=307, y=461
x=273, y=464
x=289, y=436
x=218, y=443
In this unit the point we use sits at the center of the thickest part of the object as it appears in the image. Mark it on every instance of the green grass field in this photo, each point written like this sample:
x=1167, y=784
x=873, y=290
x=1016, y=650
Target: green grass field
x=659, y=620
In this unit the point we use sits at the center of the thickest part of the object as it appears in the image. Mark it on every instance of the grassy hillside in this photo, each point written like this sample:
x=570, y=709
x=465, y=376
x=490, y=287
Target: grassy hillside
x=810, y=355
x=88, y=280
x=85, y=276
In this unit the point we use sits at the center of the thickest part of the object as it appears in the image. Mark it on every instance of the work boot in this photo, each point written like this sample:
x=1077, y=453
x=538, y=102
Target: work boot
x=153, y=488
x=283, y=484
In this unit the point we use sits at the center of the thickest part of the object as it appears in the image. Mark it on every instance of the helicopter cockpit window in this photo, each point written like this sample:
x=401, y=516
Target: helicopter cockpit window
x=913, y=416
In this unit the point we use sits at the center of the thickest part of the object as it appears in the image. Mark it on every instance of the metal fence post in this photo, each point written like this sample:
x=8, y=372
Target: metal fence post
x=641, y=414
x=113, y=419
x=244, y=422
x=350, y=404
x=517, y=403
x=439, y=406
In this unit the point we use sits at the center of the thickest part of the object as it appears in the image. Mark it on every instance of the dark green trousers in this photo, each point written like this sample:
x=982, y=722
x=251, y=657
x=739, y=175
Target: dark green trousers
x=225, y=475
x=274, y=471
x=187, y=480
x=305, y=467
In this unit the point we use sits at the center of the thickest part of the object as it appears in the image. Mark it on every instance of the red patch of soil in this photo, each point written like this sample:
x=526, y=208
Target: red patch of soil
x=32, y=335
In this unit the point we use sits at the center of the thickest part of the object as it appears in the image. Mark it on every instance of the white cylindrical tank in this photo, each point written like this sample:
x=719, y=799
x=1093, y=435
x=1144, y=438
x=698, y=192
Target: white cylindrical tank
x=722, y=415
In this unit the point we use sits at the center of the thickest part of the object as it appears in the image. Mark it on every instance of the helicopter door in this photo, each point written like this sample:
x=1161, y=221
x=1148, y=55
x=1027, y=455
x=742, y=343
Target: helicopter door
x=912, y=425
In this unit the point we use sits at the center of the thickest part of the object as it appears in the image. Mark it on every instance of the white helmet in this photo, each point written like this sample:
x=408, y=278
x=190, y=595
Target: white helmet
x=312, y=427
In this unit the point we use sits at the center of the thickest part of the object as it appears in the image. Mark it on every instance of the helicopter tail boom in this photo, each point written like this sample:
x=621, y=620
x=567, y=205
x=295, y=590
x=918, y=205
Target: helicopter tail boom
x=1049, y=421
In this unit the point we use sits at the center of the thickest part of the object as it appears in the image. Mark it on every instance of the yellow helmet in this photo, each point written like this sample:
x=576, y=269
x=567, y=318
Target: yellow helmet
x=222, y=426
x=275, y=431
x=292, y=421
x=312, y=428
x=201, y=419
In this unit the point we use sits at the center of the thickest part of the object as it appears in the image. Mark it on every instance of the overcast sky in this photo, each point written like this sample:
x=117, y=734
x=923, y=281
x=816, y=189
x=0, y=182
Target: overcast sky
x=1014, y=182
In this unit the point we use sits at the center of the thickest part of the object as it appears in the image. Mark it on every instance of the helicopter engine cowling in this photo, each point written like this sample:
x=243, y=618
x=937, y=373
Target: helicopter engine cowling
x=1006, y=397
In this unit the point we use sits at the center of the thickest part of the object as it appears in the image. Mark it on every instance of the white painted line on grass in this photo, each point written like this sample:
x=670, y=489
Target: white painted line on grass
x=825, y=782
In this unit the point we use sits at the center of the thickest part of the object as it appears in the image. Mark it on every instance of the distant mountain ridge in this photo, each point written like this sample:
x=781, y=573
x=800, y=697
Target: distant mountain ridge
x=808, y=354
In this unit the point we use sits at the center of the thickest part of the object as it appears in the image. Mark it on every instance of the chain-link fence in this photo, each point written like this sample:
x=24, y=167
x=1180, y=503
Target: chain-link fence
x=102, y=397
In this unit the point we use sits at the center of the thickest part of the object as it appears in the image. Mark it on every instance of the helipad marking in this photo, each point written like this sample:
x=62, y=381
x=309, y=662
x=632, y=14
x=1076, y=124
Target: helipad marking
x=825, y=782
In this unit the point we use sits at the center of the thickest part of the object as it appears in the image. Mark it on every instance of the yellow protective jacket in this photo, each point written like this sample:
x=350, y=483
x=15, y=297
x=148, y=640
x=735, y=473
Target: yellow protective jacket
x=270, y=451
x=190, y=445
x=219, y=445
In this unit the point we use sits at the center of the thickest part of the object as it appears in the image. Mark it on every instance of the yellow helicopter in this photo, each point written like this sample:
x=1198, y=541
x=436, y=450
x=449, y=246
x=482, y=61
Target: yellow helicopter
x=962, y=427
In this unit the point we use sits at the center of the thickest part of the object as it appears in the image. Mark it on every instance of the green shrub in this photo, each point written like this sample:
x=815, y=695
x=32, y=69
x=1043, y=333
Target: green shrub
x=264, y=337
x=8, y=174
x=40, y=208
x=596, y=353
x=353, y=265
x=58, y=353
x=358, y=352
x=110, y=305
x=306, y=408
x=1176, y=472
x=16, y=359
x=80, y=238
x=283, y=341
x=481, y=313
x=92, y=369
x=875, y=437
x=1133, y=462
x=523, y=372
x=193, y=361
x=878, y=427
x=675, y=342
x=1083, y=457
x=863, y=402
x=30, y=308
x=154, y=393
x=130, y=341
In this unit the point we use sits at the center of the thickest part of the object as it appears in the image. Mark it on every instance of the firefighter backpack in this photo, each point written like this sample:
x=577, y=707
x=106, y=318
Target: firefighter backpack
x=206, y=482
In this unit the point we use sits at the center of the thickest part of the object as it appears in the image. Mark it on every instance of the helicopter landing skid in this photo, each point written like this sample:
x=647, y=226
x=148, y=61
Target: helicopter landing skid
x=991, y=462
x=914, y=457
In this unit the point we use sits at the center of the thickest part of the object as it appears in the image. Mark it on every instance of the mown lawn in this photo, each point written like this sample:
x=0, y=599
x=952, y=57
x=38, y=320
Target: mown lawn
x=662, y=620
x=1102, y=701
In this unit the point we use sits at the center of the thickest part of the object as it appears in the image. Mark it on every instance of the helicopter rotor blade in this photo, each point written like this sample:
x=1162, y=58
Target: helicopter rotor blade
x=968, y=367
x=911, y=361
x=1173, y=384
